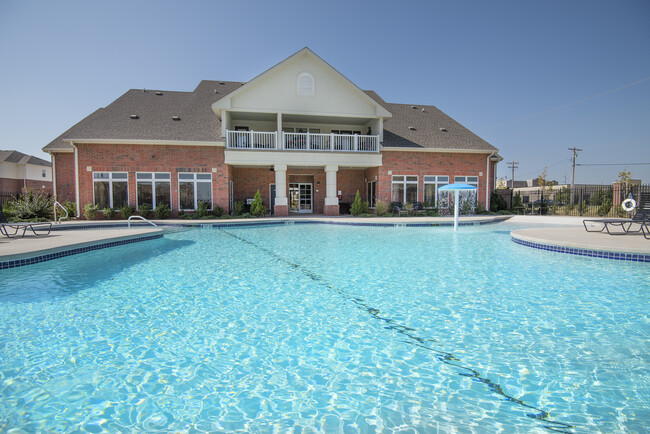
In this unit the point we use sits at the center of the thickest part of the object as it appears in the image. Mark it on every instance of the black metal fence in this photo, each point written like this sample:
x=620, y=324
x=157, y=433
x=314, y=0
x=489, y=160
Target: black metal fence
x=585, y=200
x=6, y=197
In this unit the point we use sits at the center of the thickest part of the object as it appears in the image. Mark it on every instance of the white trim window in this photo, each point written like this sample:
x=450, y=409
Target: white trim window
x=306, y=84
x=153, y=188
x=194, y=188
x=465, y=196
x=110, y=189
x=405, y=188
x=469, y=180
x=431, y=185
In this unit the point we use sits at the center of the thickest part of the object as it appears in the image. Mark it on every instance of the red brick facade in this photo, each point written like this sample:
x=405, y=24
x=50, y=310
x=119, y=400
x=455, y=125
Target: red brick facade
x=246, y=181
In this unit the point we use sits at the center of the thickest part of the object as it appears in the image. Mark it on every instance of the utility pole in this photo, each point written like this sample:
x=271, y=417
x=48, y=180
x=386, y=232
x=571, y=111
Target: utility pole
x=573, y=169
x=513, y=165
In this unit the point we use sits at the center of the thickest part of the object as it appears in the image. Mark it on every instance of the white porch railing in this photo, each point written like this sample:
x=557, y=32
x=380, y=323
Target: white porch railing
x=302, y=141
x=251, y=139
x=330, y=142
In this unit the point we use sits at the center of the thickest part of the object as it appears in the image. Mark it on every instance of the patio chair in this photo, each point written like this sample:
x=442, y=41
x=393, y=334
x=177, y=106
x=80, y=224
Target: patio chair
x=399, y=209
x=10, y=230
x=640, y=218
x=418, y=208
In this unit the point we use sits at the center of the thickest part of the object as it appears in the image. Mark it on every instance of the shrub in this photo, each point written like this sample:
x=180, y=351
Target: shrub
x=257, y=207
x=604, y=209
x=127, y=211
x=497, y=203
x=71, y=207
x=433, y=212
x=238, y=207
x=108, y=213
x=161, y=211
x=357, y=206
x=90, y=211
x=202, y=210
x=32, y=206
x=516, y=201
x=144, y=210
x=381, y=208
x=217, y=211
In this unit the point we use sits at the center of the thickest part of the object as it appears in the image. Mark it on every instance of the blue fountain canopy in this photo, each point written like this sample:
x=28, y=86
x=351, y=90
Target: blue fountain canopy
x=459, y=186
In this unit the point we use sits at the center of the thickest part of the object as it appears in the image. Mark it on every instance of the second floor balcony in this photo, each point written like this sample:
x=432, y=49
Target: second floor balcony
x=273, y=140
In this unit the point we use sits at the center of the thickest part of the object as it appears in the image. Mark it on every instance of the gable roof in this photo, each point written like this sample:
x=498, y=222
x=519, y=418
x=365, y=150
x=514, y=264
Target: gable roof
x=422, y=128
x=224, y=103
x=20, y=158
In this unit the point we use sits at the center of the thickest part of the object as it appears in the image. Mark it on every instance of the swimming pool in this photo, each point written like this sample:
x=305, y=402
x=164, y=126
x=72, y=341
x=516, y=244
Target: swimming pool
x=328, y=328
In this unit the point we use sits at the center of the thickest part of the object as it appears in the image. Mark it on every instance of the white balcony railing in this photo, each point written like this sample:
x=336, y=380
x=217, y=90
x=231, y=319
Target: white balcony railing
x=302, y=141
x=251, y=139
x=330, y=142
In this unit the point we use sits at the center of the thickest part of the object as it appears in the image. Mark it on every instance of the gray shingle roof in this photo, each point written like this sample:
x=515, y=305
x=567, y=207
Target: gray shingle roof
x=408, y=128
x=154, y=111
x=20, y=158
x=426, y=127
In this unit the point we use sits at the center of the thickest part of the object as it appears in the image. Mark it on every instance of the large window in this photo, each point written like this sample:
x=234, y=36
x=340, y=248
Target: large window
x=467, y=196
x=372, y=186
x=431, y=186
x=405, y=188
x=153, y=189
x=110, y=189
x=194, y=188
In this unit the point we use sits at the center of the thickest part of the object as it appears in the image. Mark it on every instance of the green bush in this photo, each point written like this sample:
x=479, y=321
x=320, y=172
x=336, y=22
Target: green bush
x=605, y=208
x=127, y=211
x=516, y=201
x=32, y=206
x=433, y=212
x=108, y=213
x=257, y=207
x=497, y=203
x=202, y=210
x=381, y=208
x=217, y=211
x=238, y=207
x=357, y=205
x=144, y=209
x=161, y=211
x=90, y=211
x=70, y=207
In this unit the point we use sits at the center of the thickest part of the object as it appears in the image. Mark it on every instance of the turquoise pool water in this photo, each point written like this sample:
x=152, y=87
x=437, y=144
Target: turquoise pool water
x=308, y=328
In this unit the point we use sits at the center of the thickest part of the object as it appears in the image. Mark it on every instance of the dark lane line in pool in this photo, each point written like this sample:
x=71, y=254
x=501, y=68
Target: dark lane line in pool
x=442, y=356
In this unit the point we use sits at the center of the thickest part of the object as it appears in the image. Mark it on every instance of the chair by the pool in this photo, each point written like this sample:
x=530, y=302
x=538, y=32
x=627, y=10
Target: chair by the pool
x=399, y=208
x=418, y=208
x=11, y=230
x=640, y=220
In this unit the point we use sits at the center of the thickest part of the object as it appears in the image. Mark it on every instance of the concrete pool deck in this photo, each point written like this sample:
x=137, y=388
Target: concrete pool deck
x=79, y=236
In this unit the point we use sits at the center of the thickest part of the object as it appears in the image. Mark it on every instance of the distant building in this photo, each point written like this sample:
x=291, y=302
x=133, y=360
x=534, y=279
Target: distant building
x=19, y=172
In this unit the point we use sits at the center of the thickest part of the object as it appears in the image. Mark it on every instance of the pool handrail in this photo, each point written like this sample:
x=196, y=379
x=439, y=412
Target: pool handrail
x=140, y=218
x=56, y=202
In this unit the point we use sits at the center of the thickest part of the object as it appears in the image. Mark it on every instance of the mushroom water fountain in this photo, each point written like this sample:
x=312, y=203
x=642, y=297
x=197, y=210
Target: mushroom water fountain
x=457, y=188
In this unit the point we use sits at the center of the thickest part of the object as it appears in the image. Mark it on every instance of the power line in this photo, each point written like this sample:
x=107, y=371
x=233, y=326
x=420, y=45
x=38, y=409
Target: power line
x=513, y=165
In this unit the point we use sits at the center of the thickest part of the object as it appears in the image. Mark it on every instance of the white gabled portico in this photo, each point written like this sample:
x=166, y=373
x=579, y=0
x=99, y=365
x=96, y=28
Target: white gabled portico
x=302, y=113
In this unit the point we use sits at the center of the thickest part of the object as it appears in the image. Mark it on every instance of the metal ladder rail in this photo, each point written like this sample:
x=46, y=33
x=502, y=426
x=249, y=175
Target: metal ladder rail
x=63, y=208
x=140, y=218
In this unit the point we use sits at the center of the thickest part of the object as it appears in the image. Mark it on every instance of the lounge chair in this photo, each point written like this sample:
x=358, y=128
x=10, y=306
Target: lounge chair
x=641, y=219
x=10, y=230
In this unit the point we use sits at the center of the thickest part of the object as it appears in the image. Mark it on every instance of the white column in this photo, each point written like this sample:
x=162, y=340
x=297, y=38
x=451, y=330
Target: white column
x=281, y=184
x=279, y=135
x=331, y=197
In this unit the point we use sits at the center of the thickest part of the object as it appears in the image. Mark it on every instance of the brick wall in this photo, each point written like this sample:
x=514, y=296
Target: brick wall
x=431, y=163
x=64, y=175
x=151, y=158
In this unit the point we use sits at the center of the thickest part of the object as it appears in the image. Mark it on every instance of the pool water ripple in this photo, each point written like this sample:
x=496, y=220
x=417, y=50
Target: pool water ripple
x=325, y=328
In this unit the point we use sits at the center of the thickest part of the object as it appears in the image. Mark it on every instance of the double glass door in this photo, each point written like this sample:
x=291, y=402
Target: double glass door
x=300, y=197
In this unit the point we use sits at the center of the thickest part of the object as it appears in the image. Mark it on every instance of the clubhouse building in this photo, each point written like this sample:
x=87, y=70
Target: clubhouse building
x=301, y=133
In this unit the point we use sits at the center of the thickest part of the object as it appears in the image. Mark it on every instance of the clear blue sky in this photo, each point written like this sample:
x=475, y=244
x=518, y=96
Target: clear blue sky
x=533, y=78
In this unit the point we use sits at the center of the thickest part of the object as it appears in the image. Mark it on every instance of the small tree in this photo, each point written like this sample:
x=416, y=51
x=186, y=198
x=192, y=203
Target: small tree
x=257, y=207
x=357, y=205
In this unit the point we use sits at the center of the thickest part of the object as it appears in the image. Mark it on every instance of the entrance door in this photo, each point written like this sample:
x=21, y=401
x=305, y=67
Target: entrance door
x=300, y=196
